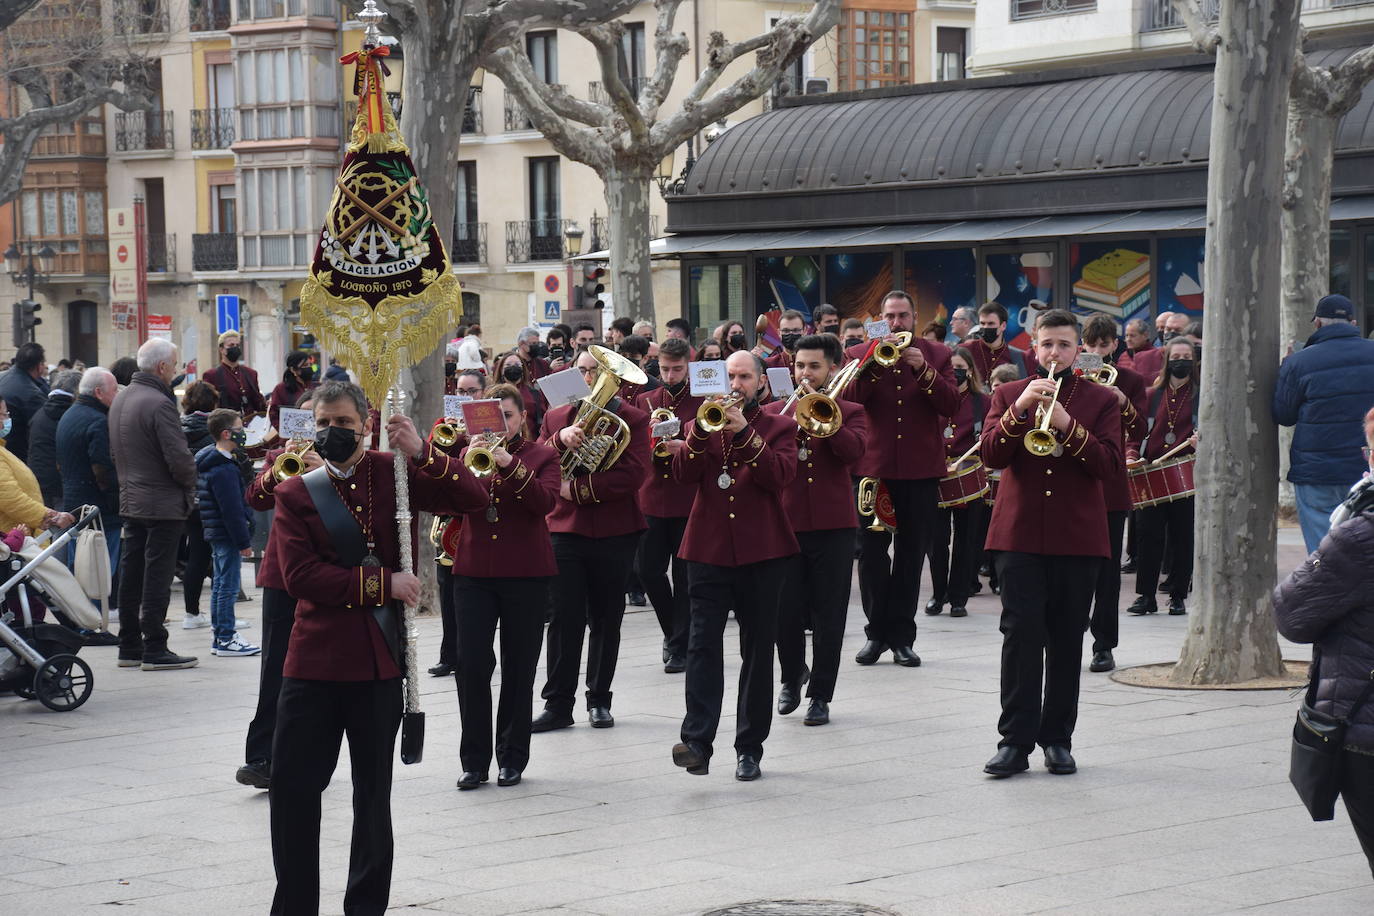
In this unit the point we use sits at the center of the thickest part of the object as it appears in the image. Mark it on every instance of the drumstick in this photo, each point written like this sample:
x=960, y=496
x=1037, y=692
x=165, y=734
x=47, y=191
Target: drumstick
x=960, y=460
x=1173, y=451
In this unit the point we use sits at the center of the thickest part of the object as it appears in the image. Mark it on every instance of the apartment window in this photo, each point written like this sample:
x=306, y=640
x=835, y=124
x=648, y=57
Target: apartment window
x=631, y=58
x=1032, y=9
x=951, y=49
x=542, y=48
x=95, y=212
x=279, y=216
x=546, y=229
x=467, y=192
x=224, y=210
x=875, y=49
x=469, y=235
x=274, y=89
x=793, y=80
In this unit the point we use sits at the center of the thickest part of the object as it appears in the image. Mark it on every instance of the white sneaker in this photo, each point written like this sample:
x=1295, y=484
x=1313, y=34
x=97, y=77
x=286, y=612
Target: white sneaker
x=195, y=621
x=234, y=646
x=242, y=624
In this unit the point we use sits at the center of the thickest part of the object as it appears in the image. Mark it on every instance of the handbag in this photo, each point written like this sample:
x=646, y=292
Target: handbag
x=92, y=564
x=1314, y=766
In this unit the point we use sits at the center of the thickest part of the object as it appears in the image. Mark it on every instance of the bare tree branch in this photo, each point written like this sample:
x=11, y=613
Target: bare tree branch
x=670, y=48
x=581, y=143
x=1206, y=35
x=512, y=66
x=606, y=39
x=11, y=10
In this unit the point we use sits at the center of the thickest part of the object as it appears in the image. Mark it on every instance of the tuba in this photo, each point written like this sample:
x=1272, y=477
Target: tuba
x=605, y=435
x=291, y=463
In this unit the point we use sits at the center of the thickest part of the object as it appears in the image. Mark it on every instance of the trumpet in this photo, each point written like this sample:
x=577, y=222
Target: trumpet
x=661, y=415
x=480, y=459
x=1040, y=441
x=884, y=354
x=447, y=431
x=291, y=463
x=711, y=414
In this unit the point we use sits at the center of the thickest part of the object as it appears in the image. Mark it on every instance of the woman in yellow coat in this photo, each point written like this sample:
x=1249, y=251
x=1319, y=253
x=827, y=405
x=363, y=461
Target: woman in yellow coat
x=21, y=501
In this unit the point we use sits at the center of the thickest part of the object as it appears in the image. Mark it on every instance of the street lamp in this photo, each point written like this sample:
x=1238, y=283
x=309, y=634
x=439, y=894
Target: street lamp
x=668, y=186
x=28, y=267
x=573, y=234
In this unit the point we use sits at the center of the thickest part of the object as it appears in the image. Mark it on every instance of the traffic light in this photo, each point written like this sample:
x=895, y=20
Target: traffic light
x=25, y=321
x=589, y=294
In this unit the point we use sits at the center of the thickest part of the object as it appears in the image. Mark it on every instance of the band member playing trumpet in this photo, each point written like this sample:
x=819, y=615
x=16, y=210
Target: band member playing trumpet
x=904, y=402
x=820, y=507
x=1057, y=437
x=666, y=503
x=954, y=566
x=501, y=574
x=1099, y=336
x=738, y=546
x=595, y=523
x=469, y=384
x=1172, y=427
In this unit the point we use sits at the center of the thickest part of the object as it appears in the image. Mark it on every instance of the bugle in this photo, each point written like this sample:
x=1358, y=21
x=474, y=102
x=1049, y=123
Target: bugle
x=885, y=354
x=1040, y=441
x=291, y=463
x=447, y=431
x=711, y=414
x=479, y=458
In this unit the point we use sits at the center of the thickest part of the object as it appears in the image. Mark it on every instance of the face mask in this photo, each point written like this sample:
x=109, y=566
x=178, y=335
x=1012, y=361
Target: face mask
x=737, y=341
x=539, y=350
x=789, y=341
x=1169, y=335
x=1180, y=368
x=512, y=373
x=336, y=444
x=830, y=329
x=989, y=335
x=233, y=354
x=6, y=427
x=238, y=437
x=450, y=369
x=960, y=376
x=306, y=373
x=651, y=367
x=853, y=341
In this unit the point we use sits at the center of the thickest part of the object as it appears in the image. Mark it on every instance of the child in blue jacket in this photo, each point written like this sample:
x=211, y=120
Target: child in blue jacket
x=226, y=520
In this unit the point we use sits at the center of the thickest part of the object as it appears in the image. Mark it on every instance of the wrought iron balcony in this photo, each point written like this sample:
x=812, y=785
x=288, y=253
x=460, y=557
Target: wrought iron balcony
x=515, y=113
x=1160, y=15
x=161, y=253
x=140, y=17
x=1035, y=9
x=214, y=251
x=143, y=130
x=469, y=243
x=212, y=128
x=601, y=232
x=472, y=111
x=535, y=240
x=596, y=91
x=209, y=15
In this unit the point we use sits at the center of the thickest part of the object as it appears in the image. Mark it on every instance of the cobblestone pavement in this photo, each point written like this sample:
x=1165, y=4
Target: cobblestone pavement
x=1181, y=804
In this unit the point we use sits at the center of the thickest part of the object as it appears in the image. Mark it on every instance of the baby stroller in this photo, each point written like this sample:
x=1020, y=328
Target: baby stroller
x=39, y=659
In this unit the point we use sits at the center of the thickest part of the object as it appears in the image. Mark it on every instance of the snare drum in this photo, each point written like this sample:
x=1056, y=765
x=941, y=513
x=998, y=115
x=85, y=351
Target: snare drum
x=994, y=478
x=968, y=482
x=1156, y=484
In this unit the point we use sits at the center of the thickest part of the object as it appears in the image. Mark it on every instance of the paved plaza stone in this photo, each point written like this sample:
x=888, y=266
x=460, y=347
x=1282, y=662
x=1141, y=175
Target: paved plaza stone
x=1181, y=804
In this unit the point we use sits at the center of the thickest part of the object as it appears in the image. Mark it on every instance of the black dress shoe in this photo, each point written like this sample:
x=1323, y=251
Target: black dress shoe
x=1128, y=567
x=996, y=587
x=508, y=776
x=636, y=599
x=255, y=773
x=985, y=570
x=870, y=653
x=443, y=669
x=1145, y=604
x=975, y=587
x=471, y=779
x=747, y=768
x=690, y=758
x=600, y=717
x=934, y=606
x=1177, y=607
x=1165, y=587
x=903, y=656
x=548, y=721
x=1102, y=661
x=958, y=610
x=818, y=713
x=789, y=697
x=1008, y=761
x=1059, y=761
x=666, y=654
x=674, y=664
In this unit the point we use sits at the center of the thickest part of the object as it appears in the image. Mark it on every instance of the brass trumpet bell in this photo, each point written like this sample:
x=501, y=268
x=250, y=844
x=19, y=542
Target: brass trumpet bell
x=818, y=415
x=711, y=415
x=445, y=434
x=291, y=463
x=888, y=352
x=480, y=461
x=1040, y=442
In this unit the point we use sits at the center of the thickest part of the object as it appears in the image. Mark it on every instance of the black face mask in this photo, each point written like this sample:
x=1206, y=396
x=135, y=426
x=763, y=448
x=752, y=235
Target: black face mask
x=829, y=329
x=306, y=374
x=1180, y=368
x=1169, y=335
x=450, y=369
x=853, y=341
x=539, y=350
x=651, y=367
x=738, y=341
x=233, y=354
x=674, y=389
x=238, y=437
x=336, y=444
x=960, y=376
x=789, y=341
x=989, y=335
x=512, y=373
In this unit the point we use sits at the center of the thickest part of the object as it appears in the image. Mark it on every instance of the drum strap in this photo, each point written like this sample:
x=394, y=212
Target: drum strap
x=1156, y=397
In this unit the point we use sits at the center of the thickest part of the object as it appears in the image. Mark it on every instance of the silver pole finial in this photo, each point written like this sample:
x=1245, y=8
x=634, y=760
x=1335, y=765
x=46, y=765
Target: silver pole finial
x=370, y=17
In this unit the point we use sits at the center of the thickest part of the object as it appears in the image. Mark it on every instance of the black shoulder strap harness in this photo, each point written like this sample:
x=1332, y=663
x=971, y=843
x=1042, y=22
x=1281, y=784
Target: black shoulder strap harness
x=1156, y=396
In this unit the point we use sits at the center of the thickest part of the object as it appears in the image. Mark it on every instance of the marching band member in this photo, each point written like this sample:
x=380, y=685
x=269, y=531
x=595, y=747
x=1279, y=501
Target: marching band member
x=953, y=570
x=904, y=405
x=501, y=573
x=791, y=328
x=738, y=545
x=1049, y=527
x=339, y=548
x=988, y=344
x=1099, y=336
x=1172, y=419
x=821, y=509
x=595, y=524
x=469, y=384
x=666, y=503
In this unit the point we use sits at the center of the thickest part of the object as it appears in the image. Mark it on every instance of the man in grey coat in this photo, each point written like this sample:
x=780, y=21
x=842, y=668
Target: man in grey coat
x=157, y=485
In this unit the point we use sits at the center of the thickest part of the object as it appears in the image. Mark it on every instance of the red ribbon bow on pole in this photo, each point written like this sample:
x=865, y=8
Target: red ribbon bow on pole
x=367, y=82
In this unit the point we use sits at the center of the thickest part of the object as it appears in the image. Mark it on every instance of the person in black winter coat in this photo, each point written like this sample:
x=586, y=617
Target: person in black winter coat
x=197, y=403
x=1329, y=602
x=43, y=435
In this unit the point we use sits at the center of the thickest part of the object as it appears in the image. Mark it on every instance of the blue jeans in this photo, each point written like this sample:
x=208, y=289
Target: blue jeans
x=1316, y=502
x=224, y=589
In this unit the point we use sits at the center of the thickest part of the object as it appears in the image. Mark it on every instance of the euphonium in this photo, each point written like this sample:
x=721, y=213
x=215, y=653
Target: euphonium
x=711, y=414
x=291, y=463
x=868, y=502
x=1040, y=441
x=605, y=436
x=661, y=415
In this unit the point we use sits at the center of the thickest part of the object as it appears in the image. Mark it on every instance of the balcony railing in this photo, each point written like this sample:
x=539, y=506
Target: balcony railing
x=597, y=91
x=601, y=232
x=276, y=9
x=1035, y=9
x=209, y=15
x=81, y=257
x=143, y=130
x=535, y=240
x=140, y=17
x=212, y=128
x=515, y=113
x=214, y=251
x=350, y=113
x=472, y=111
x=1160, y=15
x=161, y=253
x=469, y=243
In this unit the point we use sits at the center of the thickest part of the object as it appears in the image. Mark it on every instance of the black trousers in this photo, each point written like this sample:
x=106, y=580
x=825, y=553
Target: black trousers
x=754, y=592
x=588, y=596
x=954, y=561
x=1357, y=790
x=448, y=640
x=657, y=555
x=888, y=587
x=816, y=589
x=312, y=718
x=1107, y=595
x=1176, y=520
x=278, y=616
x=1045, y=603
x=517, y=605
x=147, y=562
x=198, y=561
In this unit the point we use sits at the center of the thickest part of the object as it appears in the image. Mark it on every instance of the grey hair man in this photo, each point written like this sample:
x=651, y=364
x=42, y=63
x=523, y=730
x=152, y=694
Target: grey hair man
x=960, y=323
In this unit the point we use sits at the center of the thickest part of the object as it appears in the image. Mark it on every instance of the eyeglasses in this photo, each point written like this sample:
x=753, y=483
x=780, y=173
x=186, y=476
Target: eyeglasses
x=591, y=371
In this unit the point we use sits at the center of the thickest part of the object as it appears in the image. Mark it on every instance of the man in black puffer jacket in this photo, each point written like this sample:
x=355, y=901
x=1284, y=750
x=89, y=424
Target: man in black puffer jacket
x=1329, y=602
x=43, y=435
